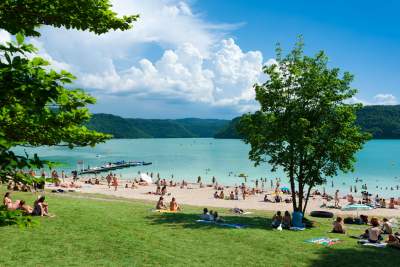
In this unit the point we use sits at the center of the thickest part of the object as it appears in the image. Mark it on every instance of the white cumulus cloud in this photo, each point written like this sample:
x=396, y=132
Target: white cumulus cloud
x=197, y=62
x=385, y=99
x=224, y=78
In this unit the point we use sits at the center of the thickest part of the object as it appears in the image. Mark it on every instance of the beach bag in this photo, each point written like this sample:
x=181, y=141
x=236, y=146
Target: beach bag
x=348, y=220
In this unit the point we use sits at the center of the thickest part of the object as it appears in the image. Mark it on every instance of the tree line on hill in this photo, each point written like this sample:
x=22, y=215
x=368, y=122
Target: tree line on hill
x=155, y=128
x=383, y=122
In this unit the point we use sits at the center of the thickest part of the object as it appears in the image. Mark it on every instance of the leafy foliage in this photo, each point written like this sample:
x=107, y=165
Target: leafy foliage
x=151, y=128
x=304, y=125
x=36, y=107
x=93, y=15
x=14, y=217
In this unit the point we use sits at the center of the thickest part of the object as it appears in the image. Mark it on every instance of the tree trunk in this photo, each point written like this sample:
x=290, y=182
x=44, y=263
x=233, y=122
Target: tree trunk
x=308, y=195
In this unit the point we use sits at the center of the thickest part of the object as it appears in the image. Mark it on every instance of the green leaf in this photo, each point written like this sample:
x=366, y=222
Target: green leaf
x=20, y=38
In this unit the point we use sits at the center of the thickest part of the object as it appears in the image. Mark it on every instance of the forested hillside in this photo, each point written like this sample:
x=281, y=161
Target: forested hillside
x=383, y=122
x=155, y=128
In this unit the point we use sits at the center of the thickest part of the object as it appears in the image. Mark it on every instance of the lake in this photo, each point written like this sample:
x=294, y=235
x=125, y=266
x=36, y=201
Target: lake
x=378, y=163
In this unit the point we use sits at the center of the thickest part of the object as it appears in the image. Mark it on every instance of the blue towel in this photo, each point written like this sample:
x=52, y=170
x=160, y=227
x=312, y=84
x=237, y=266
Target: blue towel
x=237, y=226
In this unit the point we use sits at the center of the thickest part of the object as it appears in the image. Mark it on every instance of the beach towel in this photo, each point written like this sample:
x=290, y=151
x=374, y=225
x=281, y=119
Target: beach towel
x=297, y=228
x=325, y=241
x=164, y=211
x=237, y=226
x=365, y=242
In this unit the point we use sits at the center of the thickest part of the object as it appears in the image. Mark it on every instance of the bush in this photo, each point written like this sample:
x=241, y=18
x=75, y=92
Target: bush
x=11, y=217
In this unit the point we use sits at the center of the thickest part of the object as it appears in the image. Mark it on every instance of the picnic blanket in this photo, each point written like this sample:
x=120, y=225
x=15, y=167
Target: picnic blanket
x=297, y=228
x=326, y=241
x=365, y=242
x=230, y=225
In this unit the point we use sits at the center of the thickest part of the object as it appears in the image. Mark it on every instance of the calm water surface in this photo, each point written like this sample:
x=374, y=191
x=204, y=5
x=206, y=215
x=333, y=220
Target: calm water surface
x=377, y=164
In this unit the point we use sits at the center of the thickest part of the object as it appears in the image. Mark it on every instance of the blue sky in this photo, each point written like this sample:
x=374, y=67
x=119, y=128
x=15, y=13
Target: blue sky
x=200, y=58
x=362, y=37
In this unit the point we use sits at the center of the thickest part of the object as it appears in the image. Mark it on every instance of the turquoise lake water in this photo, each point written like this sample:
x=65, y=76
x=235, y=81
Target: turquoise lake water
x=378, y=164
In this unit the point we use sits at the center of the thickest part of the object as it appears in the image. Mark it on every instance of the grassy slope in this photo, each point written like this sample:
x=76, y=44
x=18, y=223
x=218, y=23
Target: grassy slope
x=90, y=232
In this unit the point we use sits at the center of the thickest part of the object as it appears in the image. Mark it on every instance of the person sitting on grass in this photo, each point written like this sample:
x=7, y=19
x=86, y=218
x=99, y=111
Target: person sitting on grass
x=40, y=207
x=338, y=226
x=160, y=204
x=374, y=233
x=7, y=201
x=217, y=218
x=173, y=205
x=287, y=220
x=26, y=209
x=206, y=216
x=277, y=219
x=387, y=227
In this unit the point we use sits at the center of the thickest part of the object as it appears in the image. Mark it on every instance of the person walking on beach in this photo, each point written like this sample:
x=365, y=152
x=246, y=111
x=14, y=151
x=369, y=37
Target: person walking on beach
x=115, y=182
x=108, y=178
x=337, y=199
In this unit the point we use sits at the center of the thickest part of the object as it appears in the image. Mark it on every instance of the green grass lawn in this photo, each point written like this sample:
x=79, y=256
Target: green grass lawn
x=115, y=232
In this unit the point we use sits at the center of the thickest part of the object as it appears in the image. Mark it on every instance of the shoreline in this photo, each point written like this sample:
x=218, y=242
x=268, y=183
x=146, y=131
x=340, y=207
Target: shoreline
x=203, y=197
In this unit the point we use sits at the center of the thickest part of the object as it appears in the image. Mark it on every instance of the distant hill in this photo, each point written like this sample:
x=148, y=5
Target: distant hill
x=155, y=128
x=383, y=122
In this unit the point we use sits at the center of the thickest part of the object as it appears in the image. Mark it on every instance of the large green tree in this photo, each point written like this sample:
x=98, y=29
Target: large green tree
x=305, y=125
x=36, y=107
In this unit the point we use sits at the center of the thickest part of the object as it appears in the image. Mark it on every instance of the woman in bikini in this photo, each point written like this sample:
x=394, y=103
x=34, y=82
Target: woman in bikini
x=173, y=206
x=7, y=201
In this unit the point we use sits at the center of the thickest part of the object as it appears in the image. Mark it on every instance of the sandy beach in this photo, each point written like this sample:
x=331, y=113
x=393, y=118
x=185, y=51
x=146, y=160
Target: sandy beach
x=203, y=197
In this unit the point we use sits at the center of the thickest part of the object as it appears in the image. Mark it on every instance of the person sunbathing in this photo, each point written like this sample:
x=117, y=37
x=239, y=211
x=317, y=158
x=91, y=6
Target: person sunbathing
x=387, y=227
x=134, y=185
x=26, y=209
x=160, y=204
x=287, y=220
x=338, y=226
x=40, y=207
x=173, y=205
x=232, y=196
x=277, y=219
x=7, y=201
x=374, y=233
x=222, y=195
x=216, y=194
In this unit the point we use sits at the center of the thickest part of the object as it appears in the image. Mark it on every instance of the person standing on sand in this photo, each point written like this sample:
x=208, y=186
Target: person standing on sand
x=115, y=182
x=337, y=199
x=236, y=193
x=108, y=178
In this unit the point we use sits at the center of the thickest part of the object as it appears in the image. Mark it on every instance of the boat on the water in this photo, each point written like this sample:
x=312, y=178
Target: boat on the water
x=113, y=166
